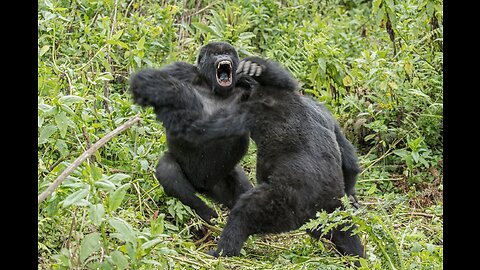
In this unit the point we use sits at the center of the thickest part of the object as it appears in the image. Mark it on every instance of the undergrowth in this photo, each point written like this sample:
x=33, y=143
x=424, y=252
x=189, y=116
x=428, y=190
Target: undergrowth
x=376, y=64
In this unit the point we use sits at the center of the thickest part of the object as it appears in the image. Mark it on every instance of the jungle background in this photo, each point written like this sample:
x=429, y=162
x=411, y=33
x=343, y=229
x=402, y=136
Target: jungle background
x=377, y=65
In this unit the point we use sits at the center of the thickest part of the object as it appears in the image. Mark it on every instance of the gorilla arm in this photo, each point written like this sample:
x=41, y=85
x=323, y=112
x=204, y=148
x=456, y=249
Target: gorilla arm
x=197, y=129
x=160, y=88
x=268, y=73
x=180, y=108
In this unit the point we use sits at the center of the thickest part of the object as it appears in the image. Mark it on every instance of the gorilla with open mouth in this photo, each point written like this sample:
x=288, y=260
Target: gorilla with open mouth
x=198, y=106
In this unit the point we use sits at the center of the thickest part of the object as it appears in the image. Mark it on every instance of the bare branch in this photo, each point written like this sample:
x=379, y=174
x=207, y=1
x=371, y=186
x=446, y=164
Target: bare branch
x=85, y=155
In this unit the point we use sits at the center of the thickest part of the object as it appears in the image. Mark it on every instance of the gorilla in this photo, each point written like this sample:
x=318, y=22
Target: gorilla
x=198, y=106
x=304, y=164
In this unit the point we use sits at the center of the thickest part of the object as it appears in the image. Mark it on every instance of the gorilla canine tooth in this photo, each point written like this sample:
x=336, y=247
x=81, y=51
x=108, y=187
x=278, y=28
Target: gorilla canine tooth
x=224, y=62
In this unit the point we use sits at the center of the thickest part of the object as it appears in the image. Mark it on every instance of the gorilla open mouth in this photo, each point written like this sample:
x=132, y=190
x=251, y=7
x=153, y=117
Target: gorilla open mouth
x=224, y=73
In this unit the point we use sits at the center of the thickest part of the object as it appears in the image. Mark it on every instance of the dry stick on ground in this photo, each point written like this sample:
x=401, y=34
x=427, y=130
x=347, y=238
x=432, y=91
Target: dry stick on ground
x=85, y=155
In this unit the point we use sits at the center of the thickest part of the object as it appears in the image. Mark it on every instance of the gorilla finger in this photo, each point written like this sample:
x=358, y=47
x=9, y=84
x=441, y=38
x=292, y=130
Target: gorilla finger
x=253, y=69
x=246, y=67
x=240, y=67
x=259, y=71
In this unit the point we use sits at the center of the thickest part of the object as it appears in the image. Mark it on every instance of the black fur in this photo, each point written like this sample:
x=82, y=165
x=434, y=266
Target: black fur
x=304, y=164
x=205, y=137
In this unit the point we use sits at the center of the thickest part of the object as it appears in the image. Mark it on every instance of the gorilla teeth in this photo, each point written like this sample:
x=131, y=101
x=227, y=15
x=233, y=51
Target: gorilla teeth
x=224, y=73
x=224, y=62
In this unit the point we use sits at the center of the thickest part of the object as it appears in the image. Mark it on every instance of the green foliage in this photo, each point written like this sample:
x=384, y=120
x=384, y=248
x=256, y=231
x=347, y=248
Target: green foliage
x=376, y=64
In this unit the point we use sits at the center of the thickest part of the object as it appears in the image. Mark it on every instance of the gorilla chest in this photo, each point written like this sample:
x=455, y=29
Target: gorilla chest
x=212, y=103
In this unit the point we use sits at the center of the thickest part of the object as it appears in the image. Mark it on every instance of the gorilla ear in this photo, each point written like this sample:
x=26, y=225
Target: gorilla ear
x=201, y=55
x=199, y=58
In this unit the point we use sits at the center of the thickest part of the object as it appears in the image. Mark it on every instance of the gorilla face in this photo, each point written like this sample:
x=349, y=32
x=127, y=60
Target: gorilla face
x=217, y=62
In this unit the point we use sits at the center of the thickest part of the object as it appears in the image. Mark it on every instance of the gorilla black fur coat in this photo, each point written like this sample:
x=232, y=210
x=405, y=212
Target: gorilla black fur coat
x=198, y=106
x=304, y=163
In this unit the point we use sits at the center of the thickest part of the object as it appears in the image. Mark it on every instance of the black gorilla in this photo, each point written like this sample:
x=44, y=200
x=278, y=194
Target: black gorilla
x=304, y=163
x=198, y=106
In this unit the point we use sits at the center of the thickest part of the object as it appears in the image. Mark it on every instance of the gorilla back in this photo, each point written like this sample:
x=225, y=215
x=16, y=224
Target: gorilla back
x=196, y=105
x=300, y=164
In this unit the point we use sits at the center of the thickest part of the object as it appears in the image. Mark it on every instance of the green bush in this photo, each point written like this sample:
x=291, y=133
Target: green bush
x=376, y=64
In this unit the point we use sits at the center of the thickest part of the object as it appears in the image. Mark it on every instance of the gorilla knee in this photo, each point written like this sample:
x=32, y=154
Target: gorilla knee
x=167, y=172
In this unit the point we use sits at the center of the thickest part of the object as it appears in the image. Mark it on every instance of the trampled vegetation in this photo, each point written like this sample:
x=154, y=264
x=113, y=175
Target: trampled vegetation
x=376, y=64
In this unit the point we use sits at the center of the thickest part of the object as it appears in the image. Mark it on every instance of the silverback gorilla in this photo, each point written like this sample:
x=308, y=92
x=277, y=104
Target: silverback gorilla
x=206, y=139
x=304, y=163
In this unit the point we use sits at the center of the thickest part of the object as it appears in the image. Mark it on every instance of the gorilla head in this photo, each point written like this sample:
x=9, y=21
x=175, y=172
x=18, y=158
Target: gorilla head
x=216, y=63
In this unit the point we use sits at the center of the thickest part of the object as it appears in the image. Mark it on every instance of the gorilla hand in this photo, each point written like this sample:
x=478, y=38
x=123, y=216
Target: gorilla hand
x=268, y=73
x=251, y=66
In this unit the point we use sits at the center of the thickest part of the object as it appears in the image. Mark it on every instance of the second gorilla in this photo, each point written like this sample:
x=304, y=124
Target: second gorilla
x=304, y=164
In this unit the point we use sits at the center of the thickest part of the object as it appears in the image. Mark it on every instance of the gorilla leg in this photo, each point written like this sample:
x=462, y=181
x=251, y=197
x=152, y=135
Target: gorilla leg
x=276, y=209
x=175, y=184
x=228, y=190
x=345, y=242
x=263, y=209
x=350, y=166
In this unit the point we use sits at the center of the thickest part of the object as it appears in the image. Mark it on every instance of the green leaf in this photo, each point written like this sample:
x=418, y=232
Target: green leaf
x=415, y=156
x=143, y=164
x=151, y=243
x=430, y=8
x=141, y=44
x=119, y=259
x=118, y=178
x=157, y=225
x=67, y=109
x=40, y=121
x=45, y=133
x=408, y=67
x=347, y=81
x=70, y=99
x=105, y=77
x=416, y=247
x=204, y=28
x=246, y=35
x=141, y=150
x=44, y=107
x=74, y=197
x=393, y=85
x=89, y=245
x=124, y=230
x=369, y=137
x=119, y=43
x=322, y=68
x=372, y=189
x=105, y=185
x=44, y=49
x=62, y=147
x=95, y=172
x=61, y=120
x=400, y=152
x=431, y=248
x=376, y=5
x=117, y=197
x=96, y=214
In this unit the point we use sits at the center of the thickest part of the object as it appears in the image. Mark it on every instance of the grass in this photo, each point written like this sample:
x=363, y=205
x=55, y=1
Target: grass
x=111, y=213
